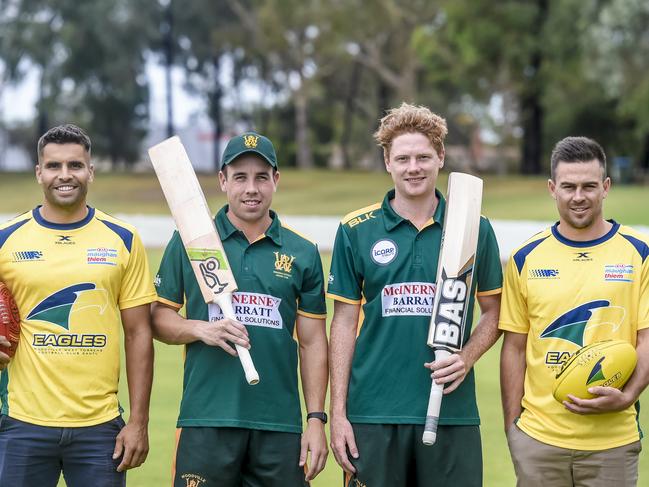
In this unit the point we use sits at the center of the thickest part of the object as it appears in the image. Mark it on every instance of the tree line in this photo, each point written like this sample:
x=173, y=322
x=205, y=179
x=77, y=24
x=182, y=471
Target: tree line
x=523, y=73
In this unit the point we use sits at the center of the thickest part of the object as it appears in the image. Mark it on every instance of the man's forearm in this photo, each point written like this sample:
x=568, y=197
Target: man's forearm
x=343, y=339
x=138, y=346
x=171, y=328
x=640, y=378
x=313, y=362
x=486, y=332
x=512, y=375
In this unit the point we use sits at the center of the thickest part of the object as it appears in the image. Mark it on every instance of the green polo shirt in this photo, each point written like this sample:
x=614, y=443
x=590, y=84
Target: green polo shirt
x=382, y=262
x=279, y=276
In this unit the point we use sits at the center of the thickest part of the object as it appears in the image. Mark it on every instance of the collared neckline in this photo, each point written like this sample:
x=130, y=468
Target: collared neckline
x=226, y=229
x=393, y=219
x=585, y=243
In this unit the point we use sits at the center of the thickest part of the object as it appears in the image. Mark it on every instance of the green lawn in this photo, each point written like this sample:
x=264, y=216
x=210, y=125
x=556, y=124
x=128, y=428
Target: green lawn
x=322, y=192
x=166, y=396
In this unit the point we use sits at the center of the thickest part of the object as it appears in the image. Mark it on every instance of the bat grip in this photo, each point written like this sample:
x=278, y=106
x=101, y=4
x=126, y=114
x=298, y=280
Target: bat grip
x=434, y=405
x=225, y=303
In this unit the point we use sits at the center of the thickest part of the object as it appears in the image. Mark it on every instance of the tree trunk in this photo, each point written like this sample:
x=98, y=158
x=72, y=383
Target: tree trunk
x=644, y=157
x=216, y=113
x=303, y=150
x=532, y=115
x=348, y=115
x=531, y=107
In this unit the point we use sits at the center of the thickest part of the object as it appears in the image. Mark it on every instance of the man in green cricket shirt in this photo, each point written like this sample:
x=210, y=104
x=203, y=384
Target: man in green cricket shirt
x=383, y=276
x=231, y=433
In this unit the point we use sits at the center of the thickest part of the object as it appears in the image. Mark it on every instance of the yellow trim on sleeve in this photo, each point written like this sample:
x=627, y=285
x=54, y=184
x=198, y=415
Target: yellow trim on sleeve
x=312, y=315
x=355, y=213
x=335, y=297
x=505, y=326
x=169, y=303
x=490, y=293
x=132, y=303
x=291, y=229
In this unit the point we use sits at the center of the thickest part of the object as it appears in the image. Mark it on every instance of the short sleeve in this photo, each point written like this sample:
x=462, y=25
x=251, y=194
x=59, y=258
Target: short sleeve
x=643, y=306
x=169, y=280
x=490, y=274
x=311, y=302
x=345, y=281
x=513, y=305
x=136, y=286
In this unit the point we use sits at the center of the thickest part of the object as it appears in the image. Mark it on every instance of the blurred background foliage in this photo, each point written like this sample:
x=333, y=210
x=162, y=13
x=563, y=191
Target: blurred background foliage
x=511, y=77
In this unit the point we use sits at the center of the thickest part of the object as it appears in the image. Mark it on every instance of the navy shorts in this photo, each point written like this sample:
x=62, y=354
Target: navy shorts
x=35, y=456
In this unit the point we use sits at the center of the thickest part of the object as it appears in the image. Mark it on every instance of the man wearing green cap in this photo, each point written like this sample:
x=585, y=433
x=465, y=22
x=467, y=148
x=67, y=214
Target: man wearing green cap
x=231, y=433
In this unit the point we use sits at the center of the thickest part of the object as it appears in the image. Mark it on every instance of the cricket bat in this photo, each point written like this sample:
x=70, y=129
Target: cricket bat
x=196, y=227
x=454, y=277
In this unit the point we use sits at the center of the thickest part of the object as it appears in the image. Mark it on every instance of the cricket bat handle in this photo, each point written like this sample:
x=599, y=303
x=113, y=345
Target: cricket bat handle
x=225, y=303
x=434, y=405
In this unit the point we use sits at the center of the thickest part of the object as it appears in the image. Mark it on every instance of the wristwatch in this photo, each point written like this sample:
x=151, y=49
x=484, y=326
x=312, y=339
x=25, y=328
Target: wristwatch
x=320, y=415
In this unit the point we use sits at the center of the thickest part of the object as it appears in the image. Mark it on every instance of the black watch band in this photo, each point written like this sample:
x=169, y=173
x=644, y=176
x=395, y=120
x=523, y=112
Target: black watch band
x=321, y=416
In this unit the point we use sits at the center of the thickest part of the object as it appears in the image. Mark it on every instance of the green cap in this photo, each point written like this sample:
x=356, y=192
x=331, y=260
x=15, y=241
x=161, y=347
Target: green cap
x=249, y=142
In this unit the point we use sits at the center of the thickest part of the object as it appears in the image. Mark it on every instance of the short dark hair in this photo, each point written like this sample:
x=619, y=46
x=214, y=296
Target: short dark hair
x=577, y=149
x=64, y=134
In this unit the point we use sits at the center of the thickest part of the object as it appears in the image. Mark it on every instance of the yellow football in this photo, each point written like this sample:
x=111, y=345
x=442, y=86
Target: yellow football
x=609, y=363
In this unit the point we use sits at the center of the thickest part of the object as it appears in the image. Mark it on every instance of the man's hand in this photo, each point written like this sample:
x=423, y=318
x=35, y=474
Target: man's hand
x=609, y=399
x=4, y=358
x=314, y=440
x=219, y=333
x=452, y=369
x=133, y=443
x=342, y=438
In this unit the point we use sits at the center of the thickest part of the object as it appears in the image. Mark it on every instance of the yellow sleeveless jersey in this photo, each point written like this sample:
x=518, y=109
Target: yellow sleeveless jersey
x=564, y=295
x=70, y=282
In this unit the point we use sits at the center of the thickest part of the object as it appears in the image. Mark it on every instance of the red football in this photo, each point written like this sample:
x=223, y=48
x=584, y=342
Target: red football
x=9, y=320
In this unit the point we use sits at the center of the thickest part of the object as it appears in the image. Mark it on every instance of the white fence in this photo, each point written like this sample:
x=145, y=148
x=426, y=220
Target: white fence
x=156, y=230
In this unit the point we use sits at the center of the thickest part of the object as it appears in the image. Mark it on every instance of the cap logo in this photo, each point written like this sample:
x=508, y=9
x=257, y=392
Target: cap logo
x=250, y=141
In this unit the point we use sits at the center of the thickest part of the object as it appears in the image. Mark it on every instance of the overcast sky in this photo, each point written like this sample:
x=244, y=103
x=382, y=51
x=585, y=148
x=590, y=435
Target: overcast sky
x=17, y=102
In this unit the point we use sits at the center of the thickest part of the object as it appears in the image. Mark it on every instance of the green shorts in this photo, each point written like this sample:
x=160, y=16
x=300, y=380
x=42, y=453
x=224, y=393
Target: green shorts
x=393, y=455
x=237, y=457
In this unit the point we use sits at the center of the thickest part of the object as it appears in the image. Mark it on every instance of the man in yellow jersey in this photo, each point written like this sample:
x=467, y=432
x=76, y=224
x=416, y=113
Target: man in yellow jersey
x=77, y=275
x=560, y=295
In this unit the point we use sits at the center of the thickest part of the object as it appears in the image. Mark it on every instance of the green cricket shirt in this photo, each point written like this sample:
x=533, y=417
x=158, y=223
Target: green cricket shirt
x=279, y=275
x=383, y=263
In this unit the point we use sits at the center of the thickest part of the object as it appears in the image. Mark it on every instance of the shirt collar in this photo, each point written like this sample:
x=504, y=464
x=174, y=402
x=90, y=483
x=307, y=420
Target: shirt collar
x=62, y=226
x=393, y=219
x=585, y=243
x=226, y=229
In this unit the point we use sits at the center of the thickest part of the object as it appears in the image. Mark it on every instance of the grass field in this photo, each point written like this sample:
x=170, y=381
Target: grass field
x=322, y=193
x=498, y=470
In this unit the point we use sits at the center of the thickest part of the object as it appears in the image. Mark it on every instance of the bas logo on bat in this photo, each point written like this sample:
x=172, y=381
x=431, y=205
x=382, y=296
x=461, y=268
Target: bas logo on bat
x=449, y=320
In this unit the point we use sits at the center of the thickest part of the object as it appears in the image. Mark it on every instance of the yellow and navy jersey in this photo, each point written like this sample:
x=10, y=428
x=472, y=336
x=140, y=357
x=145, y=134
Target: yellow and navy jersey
x=564, y=295
x=70, y=282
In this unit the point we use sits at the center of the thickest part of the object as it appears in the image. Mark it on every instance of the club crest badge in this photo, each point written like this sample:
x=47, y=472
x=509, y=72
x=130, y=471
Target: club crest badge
x=250, y=141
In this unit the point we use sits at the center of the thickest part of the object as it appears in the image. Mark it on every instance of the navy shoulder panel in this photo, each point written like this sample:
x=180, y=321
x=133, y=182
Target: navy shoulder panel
x=5, y=233
x=523, y=252
x=640, y=246
x=124, y=233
